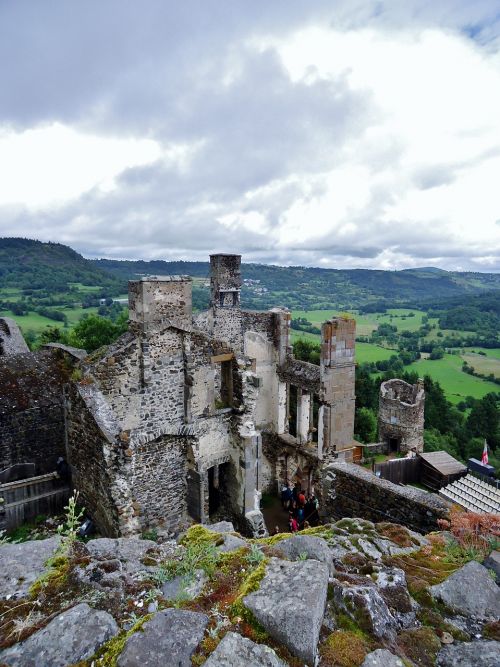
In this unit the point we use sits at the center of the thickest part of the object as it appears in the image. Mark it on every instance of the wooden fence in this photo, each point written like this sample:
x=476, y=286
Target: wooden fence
x=25, y=499
x=399, y=471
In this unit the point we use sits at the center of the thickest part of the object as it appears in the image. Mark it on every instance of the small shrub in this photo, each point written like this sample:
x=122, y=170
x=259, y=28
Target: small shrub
x=255, y=556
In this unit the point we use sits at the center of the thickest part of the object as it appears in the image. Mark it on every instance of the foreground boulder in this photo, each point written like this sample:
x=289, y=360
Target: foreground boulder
x=220, y=527
x=22, y=564
x=476, y=654
x=470, y=591
x=307, y=546
x=235, y=651
x=231, y=543
x=290, y=604
x=382, y=658
x=366, y=606
x=169, y=639
x=70, y=637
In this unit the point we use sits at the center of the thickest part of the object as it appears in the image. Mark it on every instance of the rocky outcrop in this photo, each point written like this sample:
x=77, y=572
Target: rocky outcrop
x=169, y=639
x=290, y=604
x=470, y=591
x=235, y=651
x=72, y=636
x=382, y=582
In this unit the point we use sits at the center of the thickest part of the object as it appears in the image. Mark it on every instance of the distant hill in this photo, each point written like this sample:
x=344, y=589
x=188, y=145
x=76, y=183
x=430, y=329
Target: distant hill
x=32, y=264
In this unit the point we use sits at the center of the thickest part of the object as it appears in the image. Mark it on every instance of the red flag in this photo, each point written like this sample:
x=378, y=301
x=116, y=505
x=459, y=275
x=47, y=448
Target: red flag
x=484, y=457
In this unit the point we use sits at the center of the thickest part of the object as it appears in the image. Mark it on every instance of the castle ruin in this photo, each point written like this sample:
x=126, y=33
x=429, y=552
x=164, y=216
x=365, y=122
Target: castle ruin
x=196, y=416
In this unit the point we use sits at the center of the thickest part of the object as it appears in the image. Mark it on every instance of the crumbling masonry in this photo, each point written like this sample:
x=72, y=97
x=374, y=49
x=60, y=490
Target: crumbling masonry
x=195, y=416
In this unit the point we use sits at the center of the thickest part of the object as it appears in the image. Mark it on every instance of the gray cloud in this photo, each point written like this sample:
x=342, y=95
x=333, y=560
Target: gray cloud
x=184, y=72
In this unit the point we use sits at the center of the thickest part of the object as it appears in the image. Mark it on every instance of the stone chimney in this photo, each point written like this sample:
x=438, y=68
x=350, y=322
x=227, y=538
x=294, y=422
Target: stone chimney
x=158, y=301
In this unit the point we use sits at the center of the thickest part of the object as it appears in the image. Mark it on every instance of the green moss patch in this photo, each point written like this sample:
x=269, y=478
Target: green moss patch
x=343, y=648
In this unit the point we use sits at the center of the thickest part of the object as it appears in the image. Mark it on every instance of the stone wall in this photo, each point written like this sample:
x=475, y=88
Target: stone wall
x=159, y=484
x=350, y=490
x=31, y=408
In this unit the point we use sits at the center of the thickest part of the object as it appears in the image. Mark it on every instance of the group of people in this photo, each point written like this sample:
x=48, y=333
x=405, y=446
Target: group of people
x=302, y=510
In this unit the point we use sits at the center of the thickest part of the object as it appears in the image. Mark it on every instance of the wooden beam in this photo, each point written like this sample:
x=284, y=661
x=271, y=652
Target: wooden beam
x=222, y=357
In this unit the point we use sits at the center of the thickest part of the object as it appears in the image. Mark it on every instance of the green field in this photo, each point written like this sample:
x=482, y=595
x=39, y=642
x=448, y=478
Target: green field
x=85, y=289
x=494, y=353
x=35, y=322
x=455, y=383
x=401, y=318
x=483, y=365
x=10, y=293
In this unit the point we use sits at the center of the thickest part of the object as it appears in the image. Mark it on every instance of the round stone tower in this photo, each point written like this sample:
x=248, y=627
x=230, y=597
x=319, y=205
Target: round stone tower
x=401, y=416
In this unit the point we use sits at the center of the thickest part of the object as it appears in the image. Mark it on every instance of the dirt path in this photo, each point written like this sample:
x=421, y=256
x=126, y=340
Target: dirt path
x=274, y=515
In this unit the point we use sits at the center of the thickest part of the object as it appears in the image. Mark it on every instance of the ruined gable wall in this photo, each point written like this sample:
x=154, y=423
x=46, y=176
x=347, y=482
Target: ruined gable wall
x=117, y=374
x=93, y=471
x=31, y=408
x=162, y=396
x=142, y=378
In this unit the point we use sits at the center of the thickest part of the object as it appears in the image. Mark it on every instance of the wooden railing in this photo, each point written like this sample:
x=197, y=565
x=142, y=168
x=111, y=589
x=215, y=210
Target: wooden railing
x=25, y=499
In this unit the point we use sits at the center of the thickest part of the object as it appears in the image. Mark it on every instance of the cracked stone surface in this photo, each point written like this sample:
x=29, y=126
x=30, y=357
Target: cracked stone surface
x=474, y=654
x=382, y=658
x=169, y=639
x=312, y=547
x=290, y=604
x=235, y=651
x=365, y=605
x=22, y=564
x=72, y=636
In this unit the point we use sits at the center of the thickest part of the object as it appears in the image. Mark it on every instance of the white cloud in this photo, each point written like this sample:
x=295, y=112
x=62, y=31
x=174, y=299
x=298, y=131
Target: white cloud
x=50, y=165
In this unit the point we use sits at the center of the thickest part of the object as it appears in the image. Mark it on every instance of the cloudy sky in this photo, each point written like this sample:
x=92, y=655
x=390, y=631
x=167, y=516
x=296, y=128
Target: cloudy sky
x=339, y=133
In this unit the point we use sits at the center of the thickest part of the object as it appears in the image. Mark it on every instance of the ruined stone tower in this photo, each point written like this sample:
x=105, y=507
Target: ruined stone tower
x=337, y=373
x=225, y=305
x=401, y=415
